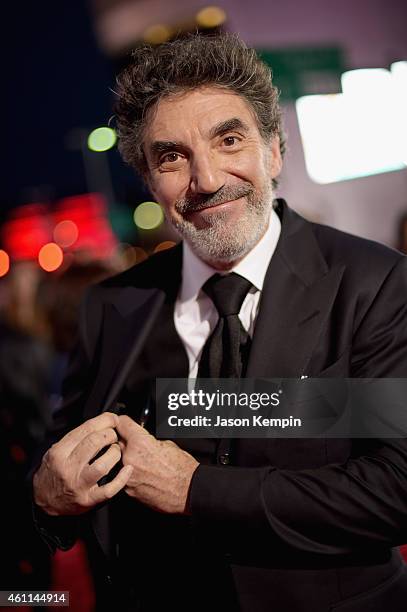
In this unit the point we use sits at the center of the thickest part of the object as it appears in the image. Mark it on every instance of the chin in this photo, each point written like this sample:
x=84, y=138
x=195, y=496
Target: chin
x=225, y=238
x=222, y=249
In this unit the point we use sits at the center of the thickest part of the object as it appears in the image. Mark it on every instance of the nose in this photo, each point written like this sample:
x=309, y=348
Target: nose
x=206, y=176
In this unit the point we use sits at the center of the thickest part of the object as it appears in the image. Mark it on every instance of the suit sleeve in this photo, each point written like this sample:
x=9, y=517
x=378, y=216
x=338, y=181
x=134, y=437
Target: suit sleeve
x=338, y=508
x=62, y=531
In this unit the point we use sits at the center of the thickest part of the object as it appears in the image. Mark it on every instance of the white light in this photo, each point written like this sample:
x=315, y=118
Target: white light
x=356, y=133
x=399, y=74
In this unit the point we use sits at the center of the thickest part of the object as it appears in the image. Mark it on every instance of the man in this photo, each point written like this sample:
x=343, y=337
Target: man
x=253, y=525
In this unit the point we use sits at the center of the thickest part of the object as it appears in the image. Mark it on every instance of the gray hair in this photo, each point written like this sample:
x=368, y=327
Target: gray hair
x=221, y=60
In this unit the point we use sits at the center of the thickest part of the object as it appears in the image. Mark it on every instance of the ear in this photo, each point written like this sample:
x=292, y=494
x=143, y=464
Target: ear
x=276, y=161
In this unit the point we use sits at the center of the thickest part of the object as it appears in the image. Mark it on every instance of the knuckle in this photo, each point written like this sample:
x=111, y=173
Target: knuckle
x=52, y=458
x=94, y=437
x=83, y=501
x=115, y=450
x=112, y=435
x=94, y=440
x=107, y=491
x=52, y=453
x=110, y=417
x=100, y=468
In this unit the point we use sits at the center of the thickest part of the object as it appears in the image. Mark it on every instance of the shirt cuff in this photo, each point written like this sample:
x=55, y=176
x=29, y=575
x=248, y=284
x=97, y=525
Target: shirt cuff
x=57, y=531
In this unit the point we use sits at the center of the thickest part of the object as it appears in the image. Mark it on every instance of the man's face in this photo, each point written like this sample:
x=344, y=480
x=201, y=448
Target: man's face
x=211, y=171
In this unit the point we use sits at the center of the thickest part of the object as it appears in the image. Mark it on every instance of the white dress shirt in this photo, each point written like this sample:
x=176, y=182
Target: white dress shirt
x=195, y=315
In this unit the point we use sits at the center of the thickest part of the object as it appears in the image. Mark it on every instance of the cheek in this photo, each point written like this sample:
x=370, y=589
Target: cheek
x=168, y=188
x=249, y=166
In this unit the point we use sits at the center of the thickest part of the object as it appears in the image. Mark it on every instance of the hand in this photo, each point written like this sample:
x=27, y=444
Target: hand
x=65, y=483
x=162, y=471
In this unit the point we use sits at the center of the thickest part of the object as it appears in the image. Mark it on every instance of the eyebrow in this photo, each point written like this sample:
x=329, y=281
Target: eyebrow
x=161, y=146
x=229, y=125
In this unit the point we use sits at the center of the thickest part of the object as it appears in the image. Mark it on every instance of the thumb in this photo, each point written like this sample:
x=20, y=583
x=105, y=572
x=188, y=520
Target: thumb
x=125, y=426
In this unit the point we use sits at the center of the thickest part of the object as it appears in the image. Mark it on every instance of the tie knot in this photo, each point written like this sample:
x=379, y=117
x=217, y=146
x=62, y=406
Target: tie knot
x=227, y=292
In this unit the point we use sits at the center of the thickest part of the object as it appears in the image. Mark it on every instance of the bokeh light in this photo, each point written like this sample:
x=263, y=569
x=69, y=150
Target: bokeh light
x=148, y=215
x=211, y=17
x=66, y=233
x=325, y=121
x=157, y=34
x=163, y=246
x=130, y=255
x=102, y=139
x=4, y=263
x=50, y=257
x=140, y=254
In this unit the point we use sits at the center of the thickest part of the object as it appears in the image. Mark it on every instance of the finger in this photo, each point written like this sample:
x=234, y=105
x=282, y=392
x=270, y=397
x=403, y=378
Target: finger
x=98, y=423
x=170, y=443
x=102, y=466
x=127, y=427
x=89, y=447
x=110, y=489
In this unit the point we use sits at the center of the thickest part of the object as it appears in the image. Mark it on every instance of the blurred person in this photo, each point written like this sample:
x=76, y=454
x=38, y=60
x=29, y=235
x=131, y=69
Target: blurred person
x=25, y=368
x=61, y=298
x=253, y=290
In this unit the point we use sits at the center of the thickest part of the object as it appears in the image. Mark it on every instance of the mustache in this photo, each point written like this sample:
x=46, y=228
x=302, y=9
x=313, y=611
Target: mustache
x=200, y=201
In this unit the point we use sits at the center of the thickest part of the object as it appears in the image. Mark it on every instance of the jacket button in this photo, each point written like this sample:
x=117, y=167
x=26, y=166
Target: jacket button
x=224, y=459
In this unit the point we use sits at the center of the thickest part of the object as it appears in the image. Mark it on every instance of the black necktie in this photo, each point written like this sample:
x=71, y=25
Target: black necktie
x=226, y=351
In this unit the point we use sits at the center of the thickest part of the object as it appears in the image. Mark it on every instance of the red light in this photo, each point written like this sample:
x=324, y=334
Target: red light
x=50, y=257
x=4, y=263
x=26, y=231
x=66, y=233
x=89, y=213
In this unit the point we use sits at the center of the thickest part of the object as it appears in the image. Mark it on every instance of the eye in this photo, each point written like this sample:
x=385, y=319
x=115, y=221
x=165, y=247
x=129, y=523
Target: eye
x=229, y=141
x=170, y=157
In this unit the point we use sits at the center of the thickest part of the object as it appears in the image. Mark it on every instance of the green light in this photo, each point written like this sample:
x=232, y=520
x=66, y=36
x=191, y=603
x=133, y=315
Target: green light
x=148, y=215
x=102, y=139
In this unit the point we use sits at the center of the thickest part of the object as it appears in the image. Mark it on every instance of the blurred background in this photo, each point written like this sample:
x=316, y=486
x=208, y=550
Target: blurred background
x=72, y=212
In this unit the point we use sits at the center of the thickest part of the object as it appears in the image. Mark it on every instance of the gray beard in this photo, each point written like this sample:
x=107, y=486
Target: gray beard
x=221, y=240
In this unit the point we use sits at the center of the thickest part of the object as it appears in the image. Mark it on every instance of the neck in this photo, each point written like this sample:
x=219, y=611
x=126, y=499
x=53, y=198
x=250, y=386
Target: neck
x=223, y=266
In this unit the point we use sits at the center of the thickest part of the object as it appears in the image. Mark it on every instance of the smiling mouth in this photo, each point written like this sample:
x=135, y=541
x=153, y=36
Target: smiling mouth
x=216, y=205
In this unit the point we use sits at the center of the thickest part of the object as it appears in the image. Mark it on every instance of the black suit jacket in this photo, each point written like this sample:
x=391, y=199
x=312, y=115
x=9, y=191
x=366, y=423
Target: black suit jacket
x=301, y=524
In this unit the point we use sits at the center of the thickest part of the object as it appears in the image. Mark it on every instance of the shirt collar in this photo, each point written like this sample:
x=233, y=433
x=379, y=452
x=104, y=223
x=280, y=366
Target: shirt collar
x=253, y=266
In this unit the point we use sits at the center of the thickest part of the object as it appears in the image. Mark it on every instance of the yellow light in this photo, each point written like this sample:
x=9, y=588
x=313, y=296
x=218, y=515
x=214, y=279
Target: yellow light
x=148, y=215
x=163, y=246
x=211, y=17
x=66, y=233
x=4, y=263
x=102, y=139
x=50, y=257
x=131, y=255
x=157, y=34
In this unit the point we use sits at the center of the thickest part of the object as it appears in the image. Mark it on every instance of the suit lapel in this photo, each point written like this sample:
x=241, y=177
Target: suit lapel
x=122, y=340
x=127, y=321
x=298, y=294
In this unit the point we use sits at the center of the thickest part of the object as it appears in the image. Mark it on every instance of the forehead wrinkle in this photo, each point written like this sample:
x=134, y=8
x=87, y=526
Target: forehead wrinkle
x=229, y=125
